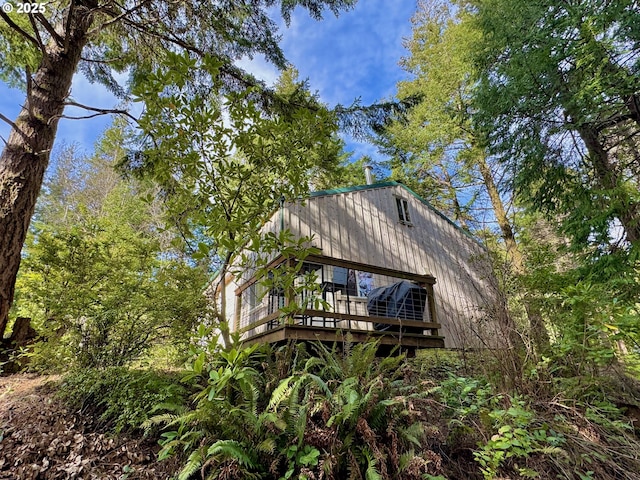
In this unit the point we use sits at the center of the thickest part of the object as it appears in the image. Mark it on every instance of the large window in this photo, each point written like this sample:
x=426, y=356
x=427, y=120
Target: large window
x=357, y=283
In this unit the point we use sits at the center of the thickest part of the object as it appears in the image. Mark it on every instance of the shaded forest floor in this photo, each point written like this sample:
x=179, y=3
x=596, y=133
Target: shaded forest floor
x=42, y=439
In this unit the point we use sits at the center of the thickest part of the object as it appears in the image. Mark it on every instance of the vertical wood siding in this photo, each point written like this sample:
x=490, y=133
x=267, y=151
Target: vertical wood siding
x=364, y=226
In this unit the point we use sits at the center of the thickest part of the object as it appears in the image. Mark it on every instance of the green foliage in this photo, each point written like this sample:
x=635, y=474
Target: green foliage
x=225, y=164
x=511, y=434
x=98, y=278
x=120, y=397
x=342, y=415
x=590, y=303
x=300, y=458
x=435, y=148
x=17, y=51
x=554, y=101
x=226, y=426
x=349, y=173
x=516, y=437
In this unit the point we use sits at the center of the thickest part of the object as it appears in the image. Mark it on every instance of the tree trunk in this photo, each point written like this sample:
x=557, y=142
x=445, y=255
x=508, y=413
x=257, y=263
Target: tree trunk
x=627, y=211
x=26, y=155
x=501, y=216
x=457, y=209
x=537, y=328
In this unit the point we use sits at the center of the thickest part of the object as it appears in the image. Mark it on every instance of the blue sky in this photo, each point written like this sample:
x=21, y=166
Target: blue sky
x=353, y=56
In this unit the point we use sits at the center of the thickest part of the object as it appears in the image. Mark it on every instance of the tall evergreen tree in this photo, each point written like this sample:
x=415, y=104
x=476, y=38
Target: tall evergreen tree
x=441, y=153
x=98, y=278
x=559, y=103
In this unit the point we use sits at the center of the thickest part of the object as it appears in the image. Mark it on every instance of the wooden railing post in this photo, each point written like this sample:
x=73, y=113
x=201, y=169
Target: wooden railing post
x=431, y=306
x=290, y=294
x=237, y=313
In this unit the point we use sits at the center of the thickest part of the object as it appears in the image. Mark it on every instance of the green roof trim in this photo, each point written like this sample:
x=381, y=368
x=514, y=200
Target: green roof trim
x=393, y=183
x=336, y=191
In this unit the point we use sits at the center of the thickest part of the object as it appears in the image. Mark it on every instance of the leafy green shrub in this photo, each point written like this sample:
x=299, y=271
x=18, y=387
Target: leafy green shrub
x=516, y=437
x=122, y=398
x=99, y=280
x=334, y=415
x=505, y=428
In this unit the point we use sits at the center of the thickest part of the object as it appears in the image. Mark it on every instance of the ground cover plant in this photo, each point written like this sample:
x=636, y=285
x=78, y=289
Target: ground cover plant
x=316, y=412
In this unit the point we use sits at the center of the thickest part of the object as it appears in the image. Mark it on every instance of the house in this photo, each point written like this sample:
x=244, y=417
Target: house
x=390, y=266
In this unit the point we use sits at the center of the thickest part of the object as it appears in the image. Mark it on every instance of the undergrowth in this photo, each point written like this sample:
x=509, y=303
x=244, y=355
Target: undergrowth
x=120, y=397
x=318, y=413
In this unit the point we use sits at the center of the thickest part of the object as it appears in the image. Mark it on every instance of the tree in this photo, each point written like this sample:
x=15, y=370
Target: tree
x=328, y=158
x=223, y=163
x=559, y=103
x=98, y=278
x=432, y=145
x=101, y=39
x=439, y=150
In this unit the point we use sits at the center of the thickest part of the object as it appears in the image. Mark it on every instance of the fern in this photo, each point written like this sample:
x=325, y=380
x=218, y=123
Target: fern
x=371, y=473
x=231, y=450
x=282, y=392
x=194, y=462
x=413, y=433
x=245, y=402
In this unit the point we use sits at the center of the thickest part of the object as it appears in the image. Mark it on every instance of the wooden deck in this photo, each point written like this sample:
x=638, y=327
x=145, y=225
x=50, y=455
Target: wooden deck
x=261, y=319
x=304, y=333
x=406, y=334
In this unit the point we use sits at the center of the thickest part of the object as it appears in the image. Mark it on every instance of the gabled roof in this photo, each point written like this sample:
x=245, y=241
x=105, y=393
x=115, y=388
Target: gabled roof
x=392, y=183
x=337, y=191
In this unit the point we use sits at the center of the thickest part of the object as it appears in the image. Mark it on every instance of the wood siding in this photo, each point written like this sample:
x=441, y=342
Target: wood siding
x=364, y=226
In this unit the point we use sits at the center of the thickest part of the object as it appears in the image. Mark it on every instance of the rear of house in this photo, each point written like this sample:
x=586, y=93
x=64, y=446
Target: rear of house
x=390, y=266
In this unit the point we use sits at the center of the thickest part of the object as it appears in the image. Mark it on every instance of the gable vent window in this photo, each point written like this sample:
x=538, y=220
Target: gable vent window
x=403, y=210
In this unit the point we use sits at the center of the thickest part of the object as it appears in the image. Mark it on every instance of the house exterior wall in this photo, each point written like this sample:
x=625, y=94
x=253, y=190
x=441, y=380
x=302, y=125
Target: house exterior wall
x=364, y=226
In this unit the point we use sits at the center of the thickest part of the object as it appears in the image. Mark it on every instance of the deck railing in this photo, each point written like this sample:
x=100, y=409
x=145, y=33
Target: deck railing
x=330, y=298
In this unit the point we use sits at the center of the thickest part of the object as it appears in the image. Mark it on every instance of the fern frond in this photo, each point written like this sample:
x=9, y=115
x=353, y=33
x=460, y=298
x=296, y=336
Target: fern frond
x=320, y=383
x=163, y=419
x=282, y=391
x=413, y=433
x=371, y=473
x=268, y=445
x=194, y=462
x=270, y=418
x=405, y=460
x=231, y=450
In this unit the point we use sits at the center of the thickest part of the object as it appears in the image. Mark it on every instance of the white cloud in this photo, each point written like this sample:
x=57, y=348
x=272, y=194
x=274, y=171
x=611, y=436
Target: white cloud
x=259, y=68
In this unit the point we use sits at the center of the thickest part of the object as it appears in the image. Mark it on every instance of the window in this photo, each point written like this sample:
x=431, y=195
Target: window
x=255, y=294
x=355, y=282
x=365, y=283
x=403, y=210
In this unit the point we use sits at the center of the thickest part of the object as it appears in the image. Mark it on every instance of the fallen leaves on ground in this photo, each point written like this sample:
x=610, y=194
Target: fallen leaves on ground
x=40, y=439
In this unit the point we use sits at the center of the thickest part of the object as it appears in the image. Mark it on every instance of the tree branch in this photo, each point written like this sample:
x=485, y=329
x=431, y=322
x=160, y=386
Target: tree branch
x=67, y=27
x=5, y=119
x=18, y=29
x=14, y=127
x=99, y=111
x=38, y=37
x=118, y=17
x=49, y=28
x=102, y=62
x=613, y=121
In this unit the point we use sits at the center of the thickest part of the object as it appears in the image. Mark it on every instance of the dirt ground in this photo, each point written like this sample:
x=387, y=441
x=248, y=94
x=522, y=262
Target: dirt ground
x=41, y=439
